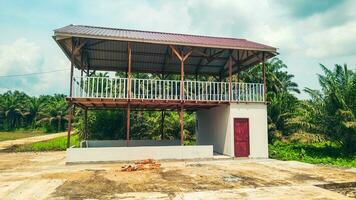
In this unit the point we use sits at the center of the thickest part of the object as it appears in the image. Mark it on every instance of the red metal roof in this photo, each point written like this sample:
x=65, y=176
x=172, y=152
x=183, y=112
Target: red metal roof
x=160, y=37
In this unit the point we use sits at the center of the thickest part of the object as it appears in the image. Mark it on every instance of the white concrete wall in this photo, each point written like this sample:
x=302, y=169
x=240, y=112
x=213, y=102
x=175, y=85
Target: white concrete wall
x=104, y=154
x=215, y=127
x=132, y=143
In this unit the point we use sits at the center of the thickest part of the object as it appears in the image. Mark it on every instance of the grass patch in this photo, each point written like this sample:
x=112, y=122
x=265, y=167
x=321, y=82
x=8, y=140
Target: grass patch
x=13, y=135
x=56, y=144
x=316, y=153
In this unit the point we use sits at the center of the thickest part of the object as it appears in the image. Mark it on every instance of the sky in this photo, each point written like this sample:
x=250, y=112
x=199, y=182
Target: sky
x=305, y=32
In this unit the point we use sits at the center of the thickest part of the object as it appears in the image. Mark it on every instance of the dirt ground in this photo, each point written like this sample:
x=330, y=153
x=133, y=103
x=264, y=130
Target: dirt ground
x=45, y=176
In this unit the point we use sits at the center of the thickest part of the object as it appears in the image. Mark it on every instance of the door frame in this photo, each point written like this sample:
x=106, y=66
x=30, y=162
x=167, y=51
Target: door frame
x=248, y=135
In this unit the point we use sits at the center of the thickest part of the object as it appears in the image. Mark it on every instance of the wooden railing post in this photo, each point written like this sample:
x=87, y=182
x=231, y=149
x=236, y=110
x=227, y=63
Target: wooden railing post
x=264, y=77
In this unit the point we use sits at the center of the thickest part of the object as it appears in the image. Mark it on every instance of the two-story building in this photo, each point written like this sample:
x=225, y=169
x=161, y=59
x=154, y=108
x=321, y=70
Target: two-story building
x=231, y=115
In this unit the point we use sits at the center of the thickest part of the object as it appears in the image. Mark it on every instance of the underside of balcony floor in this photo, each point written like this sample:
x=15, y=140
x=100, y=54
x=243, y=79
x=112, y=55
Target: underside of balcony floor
x=98, y=103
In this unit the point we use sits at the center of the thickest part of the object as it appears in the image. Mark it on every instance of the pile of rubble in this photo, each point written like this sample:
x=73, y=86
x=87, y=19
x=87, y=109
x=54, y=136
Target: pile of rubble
x=148, y=164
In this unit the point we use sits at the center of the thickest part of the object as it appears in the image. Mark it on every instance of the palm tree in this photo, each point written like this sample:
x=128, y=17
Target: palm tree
x=277, y=80
x=11, y=107
x=34, y=108
x=337, y=104
x=56, y=111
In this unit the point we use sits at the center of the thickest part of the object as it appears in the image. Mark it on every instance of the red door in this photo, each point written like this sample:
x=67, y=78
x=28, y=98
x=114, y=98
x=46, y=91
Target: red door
x=241, y=137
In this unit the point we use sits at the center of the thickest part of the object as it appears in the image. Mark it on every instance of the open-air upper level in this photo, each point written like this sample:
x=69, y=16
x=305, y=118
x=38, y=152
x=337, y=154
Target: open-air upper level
x=92, y=49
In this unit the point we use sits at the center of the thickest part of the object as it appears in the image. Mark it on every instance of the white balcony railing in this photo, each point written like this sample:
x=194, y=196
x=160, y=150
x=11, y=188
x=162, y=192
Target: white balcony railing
x=152, y=89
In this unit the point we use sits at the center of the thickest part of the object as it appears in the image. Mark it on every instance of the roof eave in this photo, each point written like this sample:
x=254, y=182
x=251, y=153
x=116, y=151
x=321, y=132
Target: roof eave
x=67, y=35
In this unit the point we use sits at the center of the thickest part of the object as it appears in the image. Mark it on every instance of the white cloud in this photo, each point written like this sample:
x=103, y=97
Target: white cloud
x=336, y=41
x=21, y=56
x=25, y=57
x=323, y=37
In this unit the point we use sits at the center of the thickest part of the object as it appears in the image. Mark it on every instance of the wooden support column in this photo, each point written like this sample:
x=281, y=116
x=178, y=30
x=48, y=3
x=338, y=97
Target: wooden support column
x=162, y=124
x=181, y=121
x=70, y=116
x=264, y=77
x=128, y=111
x=182, y=79
x=86, y=134
x=182, y=58
x=71, y=71
x=230, y=79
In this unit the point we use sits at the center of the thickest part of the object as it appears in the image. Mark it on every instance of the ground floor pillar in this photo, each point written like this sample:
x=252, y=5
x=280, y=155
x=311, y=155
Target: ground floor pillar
x=70, y=116
x=181, y=121
x=128, y=111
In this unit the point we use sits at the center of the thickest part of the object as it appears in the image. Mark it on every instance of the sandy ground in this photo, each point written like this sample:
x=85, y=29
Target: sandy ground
x=9, y=143
x=45, y=176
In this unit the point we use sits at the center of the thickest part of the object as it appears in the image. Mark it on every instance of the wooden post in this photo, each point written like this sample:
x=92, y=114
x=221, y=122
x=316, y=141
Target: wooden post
x=128, y=112
x=162, y=124
x=230, y=79
x=181, y=79
x=70, y=95
x=128, y=124
x=238, y=75
x=182, y=58
x=71, y=71
x=181, y=120
x=129, y=71
x=70, y=115
x=264, y=77
x=86, y=135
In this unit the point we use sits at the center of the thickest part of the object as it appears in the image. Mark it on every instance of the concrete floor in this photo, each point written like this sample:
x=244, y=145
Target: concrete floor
x=45, y=176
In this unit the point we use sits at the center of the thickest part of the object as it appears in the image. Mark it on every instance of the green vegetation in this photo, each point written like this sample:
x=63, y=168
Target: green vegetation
x=56, y=144
x=19, y=134
x=327, y=153
x=20, y=111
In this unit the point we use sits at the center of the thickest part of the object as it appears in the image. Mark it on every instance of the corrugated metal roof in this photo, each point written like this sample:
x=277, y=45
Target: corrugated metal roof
x=160, y=37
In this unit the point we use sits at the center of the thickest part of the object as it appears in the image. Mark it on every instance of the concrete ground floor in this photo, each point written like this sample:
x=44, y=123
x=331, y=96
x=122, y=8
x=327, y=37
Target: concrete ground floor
x=46, y=176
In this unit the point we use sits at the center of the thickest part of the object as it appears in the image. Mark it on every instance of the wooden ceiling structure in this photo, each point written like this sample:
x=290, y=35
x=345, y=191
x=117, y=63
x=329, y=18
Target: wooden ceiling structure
x=92, y=49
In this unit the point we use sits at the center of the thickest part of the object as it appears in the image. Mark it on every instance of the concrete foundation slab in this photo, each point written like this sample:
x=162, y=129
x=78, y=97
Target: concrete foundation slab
x=107, y=154
x=132, y=143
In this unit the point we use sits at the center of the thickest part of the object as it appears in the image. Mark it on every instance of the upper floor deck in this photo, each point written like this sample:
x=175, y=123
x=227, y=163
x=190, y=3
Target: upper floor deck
x=105, y=91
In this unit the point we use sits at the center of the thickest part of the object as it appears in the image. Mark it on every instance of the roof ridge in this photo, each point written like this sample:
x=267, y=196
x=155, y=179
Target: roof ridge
x=160, y=32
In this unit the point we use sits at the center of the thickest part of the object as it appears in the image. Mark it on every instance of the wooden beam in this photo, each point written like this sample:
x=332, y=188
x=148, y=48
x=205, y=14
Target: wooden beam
x=129, y=69
x=128, y=94
x=230, y=79
x=78, y=48
x=86, y=134
x=140, y=53
x=226, y=63
x=162, y=123
x=182, y=79
x=181, y=121
x=71, y=71
x=200, y=63
x=176, y=52
x=70, y=115
x=210, y=59
x=128, y=112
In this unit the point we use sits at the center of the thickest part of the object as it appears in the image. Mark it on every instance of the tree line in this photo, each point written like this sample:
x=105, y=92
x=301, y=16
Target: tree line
x=329, y=111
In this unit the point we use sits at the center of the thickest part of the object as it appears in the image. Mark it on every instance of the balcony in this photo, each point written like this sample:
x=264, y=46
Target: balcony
x=105, y=89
